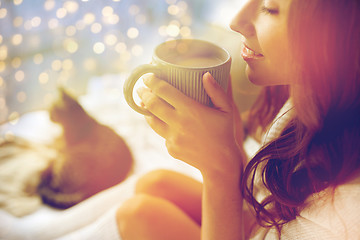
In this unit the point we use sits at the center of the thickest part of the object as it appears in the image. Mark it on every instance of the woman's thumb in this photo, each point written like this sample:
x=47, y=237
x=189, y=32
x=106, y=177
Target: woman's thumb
x=217, y=95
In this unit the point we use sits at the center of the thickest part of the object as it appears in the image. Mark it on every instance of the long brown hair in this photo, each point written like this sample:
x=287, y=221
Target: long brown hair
x=266, y=107
x=320, y=146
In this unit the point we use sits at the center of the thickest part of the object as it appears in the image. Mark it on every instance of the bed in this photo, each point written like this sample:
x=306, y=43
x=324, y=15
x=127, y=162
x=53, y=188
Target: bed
x=105, y=102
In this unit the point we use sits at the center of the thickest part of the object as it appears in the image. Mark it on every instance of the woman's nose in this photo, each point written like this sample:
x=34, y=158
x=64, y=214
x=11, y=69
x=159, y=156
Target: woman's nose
x=243, y=22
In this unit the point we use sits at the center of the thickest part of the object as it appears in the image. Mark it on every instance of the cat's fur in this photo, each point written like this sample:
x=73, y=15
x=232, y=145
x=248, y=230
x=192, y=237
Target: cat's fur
x=92, y=157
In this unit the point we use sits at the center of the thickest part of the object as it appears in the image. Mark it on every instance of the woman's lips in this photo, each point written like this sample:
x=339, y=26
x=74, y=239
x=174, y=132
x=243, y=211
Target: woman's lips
x=249, y=54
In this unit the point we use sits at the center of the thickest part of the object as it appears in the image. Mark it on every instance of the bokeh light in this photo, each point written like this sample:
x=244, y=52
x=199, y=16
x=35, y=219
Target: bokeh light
x=71, y=6
x=17, y=2
x=89, y=18
x=61, y=13
x=18, y=21
x=16, y=39
x=107, y=11
x=53, y=23
x=133, y=33
x=96, y=27
x=21, y=96
x=3, y=12
x=173, y=30
x=137, y=50
x=43, y=78
x=38, y=58
x=2, y=66
x=49, y=5
x=70, y=31
x=70, y=45
x=19, y=76
x=173, y=9
x=99, y=48
x=110, y=39
x=134, y=10
x=3, y=52
x=67, y=64
x=56, y=65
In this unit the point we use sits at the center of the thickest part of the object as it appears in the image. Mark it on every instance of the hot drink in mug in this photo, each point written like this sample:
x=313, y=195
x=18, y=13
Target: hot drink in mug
x=182, y=63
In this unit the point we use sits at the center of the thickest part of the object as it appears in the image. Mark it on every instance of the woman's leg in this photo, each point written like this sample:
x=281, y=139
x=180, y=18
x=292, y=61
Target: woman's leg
x=181, y=190
x=167, y=205
x=148, y=217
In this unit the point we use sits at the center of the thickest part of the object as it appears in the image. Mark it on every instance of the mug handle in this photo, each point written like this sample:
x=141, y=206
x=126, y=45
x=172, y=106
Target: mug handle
x=131, y=81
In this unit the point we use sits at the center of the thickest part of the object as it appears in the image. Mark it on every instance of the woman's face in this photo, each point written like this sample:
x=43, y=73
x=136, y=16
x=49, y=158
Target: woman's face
x=264, y=25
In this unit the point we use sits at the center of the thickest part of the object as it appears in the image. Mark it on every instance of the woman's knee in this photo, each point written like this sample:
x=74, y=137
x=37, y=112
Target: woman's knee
x=149, y=217
x=155, y=182
x=134, y=216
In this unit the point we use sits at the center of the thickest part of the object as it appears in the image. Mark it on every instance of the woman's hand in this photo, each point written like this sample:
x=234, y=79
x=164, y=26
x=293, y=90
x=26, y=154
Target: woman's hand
x=196, y=134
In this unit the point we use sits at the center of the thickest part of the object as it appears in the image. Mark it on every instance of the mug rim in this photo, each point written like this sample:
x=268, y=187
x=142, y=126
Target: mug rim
x=164, y=62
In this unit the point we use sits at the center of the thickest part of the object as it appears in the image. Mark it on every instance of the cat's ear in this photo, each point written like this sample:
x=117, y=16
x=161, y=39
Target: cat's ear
x=63, y=100
x=66, y=97
x=64, y=94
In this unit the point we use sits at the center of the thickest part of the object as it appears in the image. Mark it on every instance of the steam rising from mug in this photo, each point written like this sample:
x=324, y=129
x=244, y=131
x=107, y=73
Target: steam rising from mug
x=182, y=63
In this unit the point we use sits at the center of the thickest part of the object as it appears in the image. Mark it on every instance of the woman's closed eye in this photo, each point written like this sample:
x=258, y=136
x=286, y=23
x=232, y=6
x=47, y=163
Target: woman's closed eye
x=271, y=11
x=270, y=7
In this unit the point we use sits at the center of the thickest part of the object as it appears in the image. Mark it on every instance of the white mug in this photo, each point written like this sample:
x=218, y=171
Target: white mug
x=182, y=63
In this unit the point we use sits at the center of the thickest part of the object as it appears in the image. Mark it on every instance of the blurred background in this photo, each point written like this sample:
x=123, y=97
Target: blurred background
x=49, y=43
x=89, y=47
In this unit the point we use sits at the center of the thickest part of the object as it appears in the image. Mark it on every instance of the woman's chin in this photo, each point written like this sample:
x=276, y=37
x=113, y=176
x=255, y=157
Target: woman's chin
x=264, y=78
x=253, y=76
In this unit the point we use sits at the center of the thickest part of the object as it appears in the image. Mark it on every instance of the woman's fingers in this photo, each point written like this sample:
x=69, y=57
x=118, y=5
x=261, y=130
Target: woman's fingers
x=166, y=91
x=156, y=105
x=157, y=125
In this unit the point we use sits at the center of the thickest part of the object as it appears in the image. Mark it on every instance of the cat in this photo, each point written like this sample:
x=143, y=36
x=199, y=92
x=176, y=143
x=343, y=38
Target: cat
x=91, y=156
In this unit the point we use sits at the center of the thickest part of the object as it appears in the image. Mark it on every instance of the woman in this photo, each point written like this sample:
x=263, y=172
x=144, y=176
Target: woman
x=304, y=183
